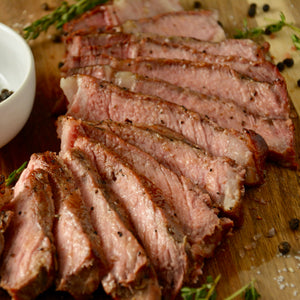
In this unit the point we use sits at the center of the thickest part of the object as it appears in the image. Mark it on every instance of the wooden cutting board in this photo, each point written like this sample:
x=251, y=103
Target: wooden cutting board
x=248, y=253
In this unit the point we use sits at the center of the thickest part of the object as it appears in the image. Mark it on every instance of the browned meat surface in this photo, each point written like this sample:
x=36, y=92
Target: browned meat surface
x=92, y=99
x=79, y=251
x=5, y=218
x=163, y=243
x=279, y=134
x=117, y=12
x=262, y=98
x=190, y=205
x=219, y=176
x=75, y=44
x=28, y=260
x=130, y=275
x=261, y=71
x=202, y=25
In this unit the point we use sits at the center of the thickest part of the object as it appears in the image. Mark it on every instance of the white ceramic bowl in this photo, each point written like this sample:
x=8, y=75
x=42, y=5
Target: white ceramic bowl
x=17, y=74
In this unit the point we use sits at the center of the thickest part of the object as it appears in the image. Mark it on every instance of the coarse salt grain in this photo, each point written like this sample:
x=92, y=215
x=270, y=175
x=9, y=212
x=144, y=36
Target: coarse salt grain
x=291, y=270
x=282, y=286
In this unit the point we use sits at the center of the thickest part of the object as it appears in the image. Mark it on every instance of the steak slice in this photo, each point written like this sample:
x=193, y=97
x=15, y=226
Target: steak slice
x=203, y=228
x=245, y=48
x=261, y=71
x=202, y=25
x=5, y=218
x=28, y=260
x=261, y=98
x=79, y=254
x=117, y=12
x=91, y=99
x=160, y=240
x=279, y=134
x=130, y=275
x=219, y=176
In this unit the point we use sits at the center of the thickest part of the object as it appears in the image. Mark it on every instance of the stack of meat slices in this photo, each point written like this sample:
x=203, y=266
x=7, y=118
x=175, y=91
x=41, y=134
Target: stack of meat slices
x=166, y=122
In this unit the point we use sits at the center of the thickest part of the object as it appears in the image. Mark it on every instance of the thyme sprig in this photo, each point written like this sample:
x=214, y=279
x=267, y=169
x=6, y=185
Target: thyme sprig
x=58, y=17
x=249, y=291
x=276, y=26
x=14, y=175
x=207, y=291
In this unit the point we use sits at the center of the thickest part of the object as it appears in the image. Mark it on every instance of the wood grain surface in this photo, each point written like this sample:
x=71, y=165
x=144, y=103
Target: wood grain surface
x=248, y=253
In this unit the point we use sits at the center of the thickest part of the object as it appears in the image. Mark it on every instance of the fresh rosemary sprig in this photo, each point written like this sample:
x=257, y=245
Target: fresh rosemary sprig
x=61, y=15
x=249, y=291
x=276, y=26
x=208, y=291
x=13, y=176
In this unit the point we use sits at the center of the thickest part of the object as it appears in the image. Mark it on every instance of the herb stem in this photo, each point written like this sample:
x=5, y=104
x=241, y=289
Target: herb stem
x=213, y=287
x=241, y=290
x=61, y=15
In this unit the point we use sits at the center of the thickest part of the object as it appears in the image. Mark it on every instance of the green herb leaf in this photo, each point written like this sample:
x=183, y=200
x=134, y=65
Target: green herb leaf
x=296, y=41
x=276, y=26
x=61, y=15
x=14, y=176
x=206, y=292
x=249, y=290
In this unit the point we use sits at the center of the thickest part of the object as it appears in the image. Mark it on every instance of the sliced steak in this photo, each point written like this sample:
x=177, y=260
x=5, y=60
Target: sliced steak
x=279, y=134
x=219, y=176
x=261, y=71
x=28, y=260
x=117, y=12
x=5, y=218
x=94, y=100
x=262, y=98
x=161, y=241
x=201, y=225
x=229, y=47
x=130, y=275
x=202, y=25
x=79, y=254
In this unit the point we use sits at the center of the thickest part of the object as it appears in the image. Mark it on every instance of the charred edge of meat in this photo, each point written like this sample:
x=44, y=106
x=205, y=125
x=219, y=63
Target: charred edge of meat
x=260, y=151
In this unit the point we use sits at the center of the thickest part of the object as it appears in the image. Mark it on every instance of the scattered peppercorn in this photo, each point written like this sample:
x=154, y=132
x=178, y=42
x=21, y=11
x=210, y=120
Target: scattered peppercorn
x=267, y=31
x=5, y=93
x=284, y=248
x=298, y=82
x=280, y=66
x=294, y=223
x=252, y=10
x=197, y=5
x=289, y=62
x=266, y=7
x=45, y=6
x=56, y=38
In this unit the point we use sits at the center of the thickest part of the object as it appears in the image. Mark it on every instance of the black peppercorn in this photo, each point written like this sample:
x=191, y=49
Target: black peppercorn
x=197, y=4
x=267, y=31
x=5, y=93
x=280, y=66
x=298, y=82
x=266, y=7
x=284, y=248
x=294, y=223
x=289, y=62
x=45, y=6
x=252, y=10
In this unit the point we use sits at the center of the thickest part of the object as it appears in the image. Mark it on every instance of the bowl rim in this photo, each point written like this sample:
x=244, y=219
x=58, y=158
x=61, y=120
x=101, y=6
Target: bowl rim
x=5, y=28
